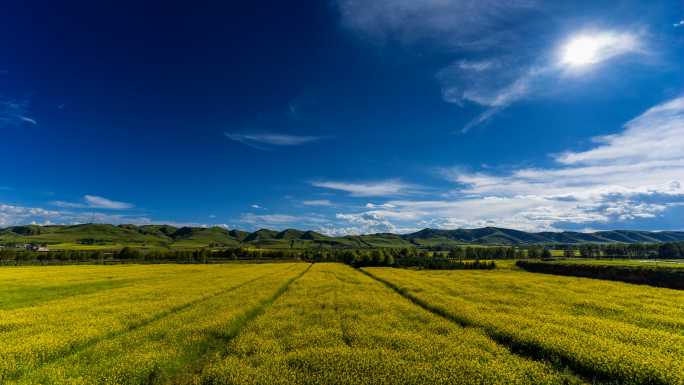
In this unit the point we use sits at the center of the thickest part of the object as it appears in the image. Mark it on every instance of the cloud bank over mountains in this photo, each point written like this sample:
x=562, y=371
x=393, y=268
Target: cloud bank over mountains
x=629, y=175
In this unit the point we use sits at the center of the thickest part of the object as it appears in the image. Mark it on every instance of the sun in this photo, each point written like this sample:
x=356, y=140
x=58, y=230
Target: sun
x=582, y=50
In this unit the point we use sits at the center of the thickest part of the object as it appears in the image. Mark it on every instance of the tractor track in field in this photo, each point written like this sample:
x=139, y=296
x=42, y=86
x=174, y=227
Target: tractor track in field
x=186, y=375
x=522, y=351
x=85, y=345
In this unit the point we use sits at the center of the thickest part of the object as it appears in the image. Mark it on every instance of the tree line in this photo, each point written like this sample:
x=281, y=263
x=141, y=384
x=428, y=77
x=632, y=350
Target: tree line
x=378, y=257
x=358, y=257
x=666, y=250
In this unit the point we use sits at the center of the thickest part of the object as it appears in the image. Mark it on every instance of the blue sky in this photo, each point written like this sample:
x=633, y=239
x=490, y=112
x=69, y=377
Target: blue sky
x=344, y=116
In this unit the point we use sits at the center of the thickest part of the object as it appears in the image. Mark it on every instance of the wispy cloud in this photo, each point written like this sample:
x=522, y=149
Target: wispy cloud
x=104, y=203
x=258, y=207
x=320, y=202
x=383, y=206
x=257, y=139
x=680, y=23
x=390, y=187
x=90, y=201
x=647, y=152
x=432, y=22
x=18, y=215
x=13, y=113
x=279, y=220
x=631, y=177
x=500, y=81
x=656, y=135
x=511, y=74
x=595, y=47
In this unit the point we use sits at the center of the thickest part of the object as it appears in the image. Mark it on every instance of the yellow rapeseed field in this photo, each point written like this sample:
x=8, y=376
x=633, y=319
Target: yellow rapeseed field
x=608, y=330
x=327, y=323
x=335, y=325
x=119, y=334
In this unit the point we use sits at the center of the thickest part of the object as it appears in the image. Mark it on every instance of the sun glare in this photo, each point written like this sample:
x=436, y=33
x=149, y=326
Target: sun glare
x=581, y=50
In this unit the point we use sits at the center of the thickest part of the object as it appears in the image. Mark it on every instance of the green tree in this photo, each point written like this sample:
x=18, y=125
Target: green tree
x=125, y=253
x=389, y=260
x=546, y=253
x=533, y=252
x=668, y=251
x=520, y=254
x=378, y=257
x=569, y=252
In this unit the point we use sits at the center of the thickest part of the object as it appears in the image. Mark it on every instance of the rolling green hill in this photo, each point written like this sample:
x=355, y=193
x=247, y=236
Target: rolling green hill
x=104, y=235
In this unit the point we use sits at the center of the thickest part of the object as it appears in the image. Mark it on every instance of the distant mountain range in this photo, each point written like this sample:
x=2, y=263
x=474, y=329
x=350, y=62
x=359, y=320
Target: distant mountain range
x=170, y=236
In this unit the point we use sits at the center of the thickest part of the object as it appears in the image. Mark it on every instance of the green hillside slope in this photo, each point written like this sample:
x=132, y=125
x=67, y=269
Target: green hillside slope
x=105, y=235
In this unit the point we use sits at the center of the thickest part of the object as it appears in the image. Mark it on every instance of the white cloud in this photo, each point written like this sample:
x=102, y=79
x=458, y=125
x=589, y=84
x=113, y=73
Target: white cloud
x=501, y=81
x=376, y=221
x=258, y=207
x=391, y=187
x=256, y=139
x=647, y=152
x=212, y=216
x=544, y=212
x=90, y=201
x=18, y=215
x=104, y=203
x=46, y=223
x=320, y=202
x=464, y=23
x=484, y=83
x=656, y=135
x=593, y=48
x=13, y=113
x=278, y=220
x=15, y=215
x=678, y=24
x=518, y=64
x=383, y=206
x=633, y=175
x=369, y=228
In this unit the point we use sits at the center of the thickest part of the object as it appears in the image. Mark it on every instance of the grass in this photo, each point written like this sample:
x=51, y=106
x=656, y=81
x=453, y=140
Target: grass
x=187, y=237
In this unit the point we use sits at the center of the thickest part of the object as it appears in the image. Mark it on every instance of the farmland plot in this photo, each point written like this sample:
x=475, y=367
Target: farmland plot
x=159, y=322
x=335, y=325
x=603, y=329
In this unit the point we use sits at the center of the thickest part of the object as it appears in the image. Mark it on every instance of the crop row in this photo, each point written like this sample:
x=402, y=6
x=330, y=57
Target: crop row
x=335, y=325
x=606, y=330
x=51, y=331
x=164, y=346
